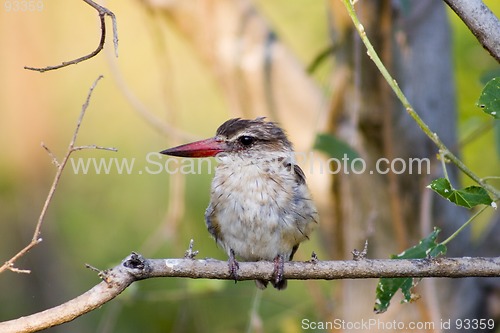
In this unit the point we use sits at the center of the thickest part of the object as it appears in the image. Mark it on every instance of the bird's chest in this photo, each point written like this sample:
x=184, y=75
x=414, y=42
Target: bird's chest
x=251, y=192
x=251, y=206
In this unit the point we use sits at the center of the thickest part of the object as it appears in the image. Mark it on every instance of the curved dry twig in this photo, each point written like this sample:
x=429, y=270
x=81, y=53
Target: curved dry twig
x=36, y=239
x=135, y=267
x=102, y=14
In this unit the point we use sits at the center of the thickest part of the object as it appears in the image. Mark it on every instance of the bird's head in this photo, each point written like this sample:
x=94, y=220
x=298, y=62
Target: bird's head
x=238, y=137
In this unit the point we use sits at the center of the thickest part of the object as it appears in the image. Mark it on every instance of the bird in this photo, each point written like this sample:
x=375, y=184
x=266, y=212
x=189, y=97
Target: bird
x=260, y=206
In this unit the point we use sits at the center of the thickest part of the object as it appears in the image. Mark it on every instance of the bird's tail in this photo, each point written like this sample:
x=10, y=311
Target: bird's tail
x=262, y=284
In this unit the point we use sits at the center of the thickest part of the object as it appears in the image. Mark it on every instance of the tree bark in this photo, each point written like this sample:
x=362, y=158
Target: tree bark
x=481, y=22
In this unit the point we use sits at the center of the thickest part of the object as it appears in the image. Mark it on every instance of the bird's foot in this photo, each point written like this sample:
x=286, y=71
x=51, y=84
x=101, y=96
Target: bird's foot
x=279, y=271
x=233, y=266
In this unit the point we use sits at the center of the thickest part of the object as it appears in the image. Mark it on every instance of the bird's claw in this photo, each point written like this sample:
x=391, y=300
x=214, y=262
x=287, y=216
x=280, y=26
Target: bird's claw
x=279, y=270
x=233, y=266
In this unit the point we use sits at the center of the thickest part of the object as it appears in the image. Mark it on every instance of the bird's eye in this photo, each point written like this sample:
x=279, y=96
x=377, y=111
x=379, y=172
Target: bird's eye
x=246, y=140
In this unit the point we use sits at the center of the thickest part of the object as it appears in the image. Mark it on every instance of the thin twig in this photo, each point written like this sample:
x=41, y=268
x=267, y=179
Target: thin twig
x=64, y=161
x=472, y=218
x=102, y=15
x=95, y=147
x=92, y=268
x=135, y=267
x=51, y=154
x=18, y=270
x=442, y=158
x=360, y=255
x=190, y=254
x=9, y=264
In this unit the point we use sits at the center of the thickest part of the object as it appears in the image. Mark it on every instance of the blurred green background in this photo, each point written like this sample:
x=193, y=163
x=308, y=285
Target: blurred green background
x=99, y=219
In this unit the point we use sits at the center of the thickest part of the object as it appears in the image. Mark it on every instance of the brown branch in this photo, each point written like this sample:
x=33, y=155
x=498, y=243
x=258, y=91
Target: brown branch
x=135, y=268
x=481, y=22
x=102, y=14
x=9, y=264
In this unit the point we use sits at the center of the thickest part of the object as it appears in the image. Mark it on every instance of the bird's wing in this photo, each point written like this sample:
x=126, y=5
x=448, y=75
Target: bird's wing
x=300, y=177
x=212, y=223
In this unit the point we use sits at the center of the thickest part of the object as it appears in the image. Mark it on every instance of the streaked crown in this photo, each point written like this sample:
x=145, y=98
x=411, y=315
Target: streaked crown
x=245, y=135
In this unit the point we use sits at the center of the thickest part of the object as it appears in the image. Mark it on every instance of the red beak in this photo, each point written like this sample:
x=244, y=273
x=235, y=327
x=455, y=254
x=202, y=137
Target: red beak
x=204, y=148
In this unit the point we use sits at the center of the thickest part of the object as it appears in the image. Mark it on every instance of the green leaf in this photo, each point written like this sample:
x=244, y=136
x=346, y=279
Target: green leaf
x=467, y=197
x=442, y=187
x=321, y=57
x=335, y=148
x=438, y=250
x=422, y=250
x=489, y=100
x=387, y=287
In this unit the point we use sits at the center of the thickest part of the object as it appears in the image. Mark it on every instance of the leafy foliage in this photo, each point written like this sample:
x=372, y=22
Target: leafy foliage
x=468, y=197
x=489, y=100
x=387, y=287
x=336, y=148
